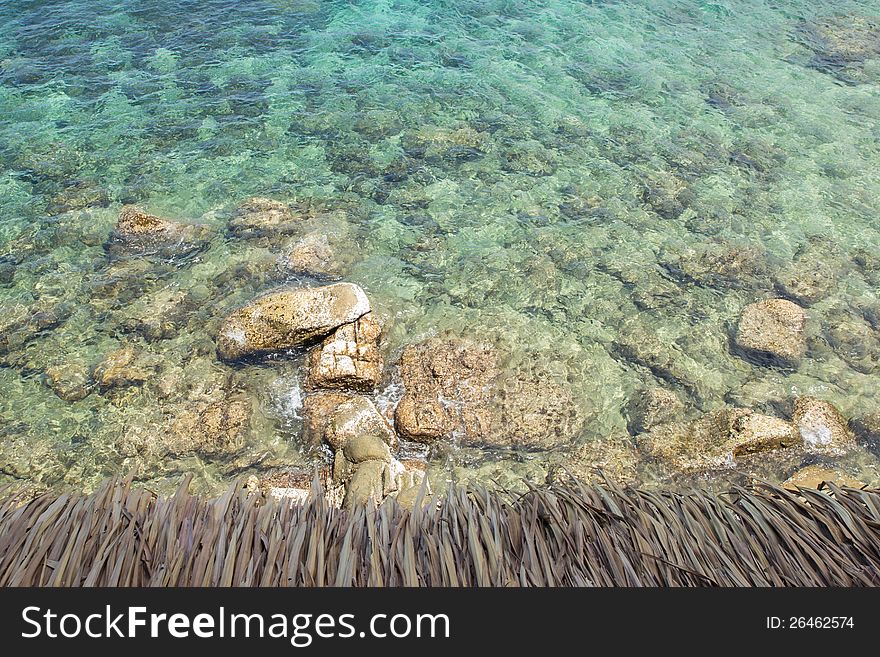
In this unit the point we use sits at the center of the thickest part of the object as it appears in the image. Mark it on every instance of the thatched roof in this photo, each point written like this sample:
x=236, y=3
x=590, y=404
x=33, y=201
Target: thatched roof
x=573, y=534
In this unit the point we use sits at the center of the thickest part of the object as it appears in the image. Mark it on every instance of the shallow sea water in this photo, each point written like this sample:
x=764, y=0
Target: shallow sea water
x=568, y=181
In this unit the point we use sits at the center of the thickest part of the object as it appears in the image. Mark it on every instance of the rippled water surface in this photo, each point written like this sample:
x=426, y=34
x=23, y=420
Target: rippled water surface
x=596, y=189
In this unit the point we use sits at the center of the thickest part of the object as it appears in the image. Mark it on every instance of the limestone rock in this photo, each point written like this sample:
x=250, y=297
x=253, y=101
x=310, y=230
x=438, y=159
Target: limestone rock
x=822, y=427
x=289, y=318
x=651, y=407
x=349, y=358
x=773, y=329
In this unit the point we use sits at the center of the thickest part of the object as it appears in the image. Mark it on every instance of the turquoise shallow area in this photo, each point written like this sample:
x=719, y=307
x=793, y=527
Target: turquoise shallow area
x=589, y=186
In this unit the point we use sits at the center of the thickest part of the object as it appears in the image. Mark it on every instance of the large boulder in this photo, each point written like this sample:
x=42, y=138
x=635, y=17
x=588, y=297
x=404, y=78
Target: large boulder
x=822, y=428
x=289, y=318
x=773, y=331
x=454, y=387
x=349, y=358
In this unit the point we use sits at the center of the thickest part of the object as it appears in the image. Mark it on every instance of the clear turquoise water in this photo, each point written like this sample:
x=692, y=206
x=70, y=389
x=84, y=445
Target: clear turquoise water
x=545, y=176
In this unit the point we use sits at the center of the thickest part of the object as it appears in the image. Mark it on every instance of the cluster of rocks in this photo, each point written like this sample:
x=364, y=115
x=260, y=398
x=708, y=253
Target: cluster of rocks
x=720, y=438
x=344, y=365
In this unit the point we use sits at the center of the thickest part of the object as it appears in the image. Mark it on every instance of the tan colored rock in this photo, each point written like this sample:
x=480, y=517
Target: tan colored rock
x=822, y=428
x=121, y=368
x=422, y=420
x=753, y=432
x=290, y=318
x=715, y=439
x=366, y=485
x=349, y=358
x=814, y=476
x=312, y=255
x=214, y=428
x=773, y=329
x=70, y=381
x=139, y=233
x=157, y=315
x=258, y=216
x=651, y=407
x=357, y=417
x=615, y=458
x=366, y=448
x=317, y=409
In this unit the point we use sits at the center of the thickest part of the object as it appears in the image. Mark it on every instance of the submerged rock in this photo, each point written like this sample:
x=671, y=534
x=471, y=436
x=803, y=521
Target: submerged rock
x=813, y=273
x=813, y=476
x=259, y=216
x=290, y=318
x=422, y=420
x=822, y=427
x=615, y=458
x=158, y=315
x=70, y=381
x=716, y=438
x=852, y=338
x=20, y=323
x=651, y=407
x=454, y=388
x=349, y=358
x=842, y=44
x=139, y=233
x=123, y=367
x=773, y=329
x=213, y=428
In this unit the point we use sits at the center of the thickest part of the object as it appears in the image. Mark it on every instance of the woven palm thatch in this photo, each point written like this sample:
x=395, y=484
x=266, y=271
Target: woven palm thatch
x=572, y=534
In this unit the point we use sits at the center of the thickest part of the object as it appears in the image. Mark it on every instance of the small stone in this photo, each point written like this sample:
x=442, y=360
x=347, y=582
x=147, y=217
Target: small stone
x=814, y=476
x=651, y=407
x=290, y=318
x=366, y=448
x=258, y=216
x=137, y=232
x=822, y=427
x=773, y=329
